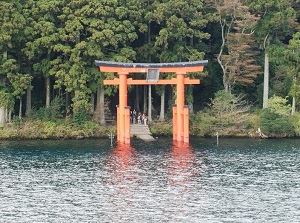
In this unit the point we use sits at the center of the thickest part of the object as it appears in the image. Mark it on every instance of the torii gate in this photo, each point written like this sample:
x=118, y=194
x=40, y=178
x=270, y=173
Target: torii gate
x=180, y=111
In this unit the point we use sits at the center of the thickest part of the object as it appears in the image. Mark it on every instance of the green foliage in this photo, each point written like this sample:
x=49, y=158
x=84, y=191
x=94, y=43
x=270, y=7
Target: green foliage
x=80, y=117
x=53, y=113
x=252, y=122
x=227, y=115
x=16, y=122
x=275, y=120
x=161, y=129
x=279, y=106
x=202, y=124
x=15, y=82
x=11, y=22
x=273, y=124
x=277, y=17
x=37, y=129
x=6, y=99
x=229, y=112
x=62, y=39
x=225, y=103
x=295, y=122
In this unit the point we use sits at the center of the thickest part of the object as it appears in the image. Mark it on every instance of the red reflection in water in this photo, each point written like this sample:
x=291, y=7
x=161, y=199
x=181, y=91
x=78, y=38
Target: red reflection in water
x=124, y=155
x=123, y=163
x=120, y=166
x=183, y=164
x=121, y=181
x=130, y=188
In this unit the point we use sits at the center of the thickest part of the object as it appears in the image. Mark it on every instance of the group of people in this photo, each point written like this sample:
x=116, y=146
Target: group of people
x=138, y=118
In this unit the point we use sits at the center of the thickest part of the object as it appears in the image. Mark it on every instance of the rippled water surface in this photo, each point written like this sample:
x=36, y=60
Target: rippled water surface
x=90, y=181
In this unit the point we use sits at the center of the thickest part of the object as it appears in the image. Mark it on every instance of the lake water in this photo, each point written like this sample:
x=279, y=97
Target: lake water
x=239, y=180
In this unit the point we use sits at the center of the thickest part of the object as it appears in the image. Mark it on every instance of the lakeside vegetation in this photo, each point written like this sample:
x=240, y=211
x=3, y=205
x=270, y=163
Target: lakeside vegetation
x=51, y=88
x=227, y=115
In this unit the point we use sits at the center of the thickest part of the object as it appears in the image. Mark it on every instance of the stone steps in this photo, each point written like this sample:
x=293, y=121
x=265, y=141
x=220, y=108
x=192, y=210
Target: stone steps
x=141, y=131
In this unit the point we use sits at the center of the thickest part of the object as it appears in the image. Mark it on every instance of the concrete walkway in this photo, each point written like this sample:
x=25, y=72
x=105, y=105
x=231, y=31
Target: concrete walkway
x=141, y=131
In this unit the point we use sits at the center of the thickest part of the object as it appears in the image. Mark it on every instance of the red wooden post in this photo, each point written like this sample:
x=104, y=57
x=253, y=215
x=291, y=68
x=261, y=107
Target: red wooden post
x=174, y=123
x=118, y=124
x=180, y=105
x=122, y=104
x=127, y=125
x=186, y=133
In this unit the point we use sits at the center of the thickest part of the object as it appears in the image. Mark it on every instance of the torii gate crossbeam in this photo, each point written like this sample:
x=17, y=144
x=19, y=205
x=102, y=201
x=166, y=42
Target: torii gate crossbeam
x=180, y=111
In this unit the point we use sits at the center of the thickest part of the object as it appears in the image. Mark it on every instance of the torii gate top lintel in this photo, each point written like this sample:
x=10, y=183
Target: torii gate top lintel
x=110, y=66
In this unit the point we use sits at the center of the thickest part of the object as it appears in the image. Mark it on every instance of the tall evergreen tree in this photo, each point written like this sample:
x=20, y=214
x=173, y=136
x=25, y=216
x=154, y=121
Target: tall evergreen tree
x=12, y=24
x=90, y=30
x=277, y=19
x=180, y=30
x=42, y=35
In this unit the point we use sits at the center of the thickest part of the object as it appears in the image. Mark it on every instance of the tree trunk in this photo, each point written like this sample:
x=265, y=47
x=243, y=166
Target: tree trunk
x=6, y=115
x=2, y=117
x=68, y=104
x=294, y=97
x=9, y=115
x=3, y=109
x=20, y=108
x=47, y=92
x=191, y=98
x=92, y=102
x=293, y=105
x=137, y=99
x=162, y=105
x=100, y=105
x=149, y=104
x=266, y=81
x=145, y=99
x=28, y=101
x=219, y=57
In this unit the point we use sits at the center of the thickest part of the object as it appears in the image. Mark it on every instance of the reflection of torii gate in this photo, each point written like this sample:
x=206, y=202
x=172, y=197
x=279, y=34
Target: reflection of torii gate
x=180, y=111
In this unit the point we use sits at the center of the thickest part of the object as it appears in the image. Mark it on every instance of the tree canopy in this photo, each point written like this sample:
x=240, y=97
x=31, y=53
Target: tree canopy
x=49, y=47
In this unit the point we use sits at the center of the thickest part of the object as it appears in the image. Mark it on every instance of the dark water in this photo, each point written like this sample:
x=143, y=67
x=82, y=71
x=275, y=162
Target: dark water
x=88, y=181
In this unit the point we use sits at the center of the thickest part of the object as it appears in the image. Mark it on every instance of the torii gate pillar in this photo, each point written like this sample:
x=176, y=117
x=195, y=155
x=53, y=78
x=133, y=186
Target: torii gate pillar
x=123, y=111
x=180, y=111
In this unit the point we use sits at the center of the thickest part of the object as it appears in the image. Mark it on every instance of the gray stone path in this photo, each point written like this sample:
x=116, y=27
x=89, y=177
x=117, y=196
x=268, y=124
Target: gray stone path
x=141, y=131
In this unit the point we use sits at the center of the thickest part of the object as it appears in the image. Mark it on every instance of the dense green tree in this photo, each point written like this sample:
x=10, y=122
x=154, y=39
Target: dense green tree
x=50, y=47
x=12, y=23
x=180, y=32
x=42, y=34
x=293, y=59
x=16, y=81
x=277, y=19
x=275, y=119
x=90, y=30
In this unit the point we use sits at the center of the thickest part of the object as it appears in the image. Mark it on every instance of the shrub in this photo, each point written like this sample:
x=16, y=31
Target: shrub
x=274, y=124
x=228, y=114
x=52, y=113
x=162, y=129
x=295, y=120
x=202, y=124
x=275, y=120
x=80, y=117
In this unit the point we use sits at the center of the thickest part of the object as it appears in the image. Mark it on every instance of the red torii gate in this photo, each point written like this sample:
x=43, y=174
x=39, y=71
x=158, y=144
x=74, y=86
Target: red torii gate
x=180, y=111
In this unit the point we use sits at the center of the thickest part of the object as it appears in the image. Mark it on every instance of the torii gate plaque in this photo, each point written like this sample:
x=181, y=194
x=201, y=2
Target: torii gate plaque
x=180, y=111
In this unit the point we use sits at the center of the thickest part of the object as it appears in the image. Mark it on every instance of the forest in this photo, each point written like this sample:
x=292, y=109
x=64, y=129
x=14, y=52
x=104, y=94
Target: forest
x=51, y=88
